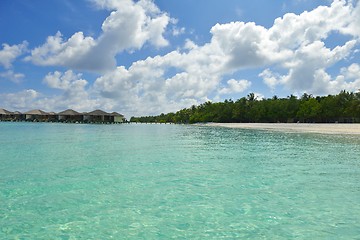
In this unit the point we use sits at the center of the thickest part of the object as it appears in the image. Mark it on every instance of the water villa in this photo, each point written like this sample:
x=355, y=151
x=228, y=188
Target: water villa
x=67, y=116
x=5, y=115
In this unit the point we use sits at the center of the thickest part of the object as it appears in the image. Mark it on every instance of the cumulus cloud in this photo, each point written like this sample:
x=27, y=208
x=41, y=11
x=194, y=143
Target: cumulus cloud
x=308, y=61
x=320, y=81
x=235, y=86
x=292, y=53
x=67, y=81
x=270, y=78
x=129, y=26
x=348, y=79
x=20, y=101
x=303, y=37
x=246, y=45
x=74, y=93
x=31, y=99
x=249, y=45
x=57, y=51
x=12, y=76
x=354, y=25
x=185, y=85
x=295, y=44
x=163, y=82
x=119, y=84
x=292, y=31
x=351, y=72
x=9, y=53
x=147, y=87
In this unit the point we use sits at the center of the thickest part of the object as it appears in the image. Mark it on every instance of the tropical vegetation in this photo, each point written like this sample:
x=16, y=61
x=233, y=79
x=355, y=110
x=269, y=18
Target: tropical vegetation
x=343, y=107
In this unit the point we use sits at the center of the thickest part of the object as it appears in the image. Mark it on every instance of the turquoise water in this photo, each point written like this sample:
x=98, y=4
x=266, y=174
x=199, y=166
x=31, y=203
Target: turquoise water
x=72, y=181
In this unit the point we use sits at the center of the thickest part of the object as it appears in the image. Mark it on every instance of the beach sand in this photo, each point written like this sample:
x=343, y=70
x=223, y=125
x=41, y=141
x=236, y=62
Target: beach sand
x=325, y=128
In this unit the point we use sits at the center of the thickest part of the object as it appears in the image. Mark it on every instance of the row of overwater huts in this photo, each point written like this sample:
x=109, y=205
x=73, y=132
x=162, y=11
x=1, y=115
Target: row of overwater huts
x=67, y=116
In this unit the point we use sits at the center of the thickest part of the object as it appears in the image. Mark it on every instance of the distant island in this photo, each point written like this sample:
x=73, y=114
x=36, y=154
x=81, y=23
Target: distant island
x=341, y=108
x=67, y=116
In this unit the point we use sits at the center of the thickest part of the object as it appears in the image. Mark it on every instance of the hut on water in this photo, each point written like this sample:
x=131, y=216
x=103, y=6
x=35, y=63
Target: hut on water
x=97, y=116
x=5, y=115
x=38, y=115
x=18, y=116
x=70, y=115
x=117, y=117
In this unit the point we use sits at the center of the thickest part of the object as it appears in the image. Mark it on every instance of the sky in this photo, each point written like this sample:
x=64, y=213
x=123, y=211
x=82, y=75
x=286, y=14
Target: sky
x=148, y=57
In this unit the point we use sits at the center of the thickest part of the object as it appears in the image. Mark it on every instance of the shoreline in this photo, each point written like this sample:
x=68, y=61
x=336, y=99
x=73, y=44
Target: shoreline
x=323, y=128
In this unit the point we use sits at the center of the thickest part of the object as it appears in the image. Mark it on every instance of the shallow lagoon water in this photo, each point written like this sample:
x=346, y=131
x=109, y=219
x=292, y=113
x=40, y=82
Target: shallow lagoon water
x=139, y=181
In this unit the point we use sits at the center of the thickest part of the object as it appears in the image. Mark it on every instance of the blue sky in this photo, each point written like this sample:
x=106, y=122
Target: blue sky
x=148, y=57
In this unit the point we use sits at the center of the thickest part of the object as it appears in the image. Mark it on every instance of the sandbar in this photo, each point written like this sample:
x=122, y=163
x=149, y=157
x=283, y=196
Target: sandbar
x=324, y=128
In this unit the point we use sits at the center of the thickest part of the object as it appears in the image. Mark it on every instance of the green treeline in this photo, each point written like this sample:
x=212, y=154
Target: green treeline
x=344, y=107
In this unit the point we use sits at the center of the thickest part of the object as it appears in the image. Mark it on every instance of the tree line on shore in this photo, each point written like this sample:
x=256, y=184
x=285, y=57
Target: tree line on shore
x=343, y=108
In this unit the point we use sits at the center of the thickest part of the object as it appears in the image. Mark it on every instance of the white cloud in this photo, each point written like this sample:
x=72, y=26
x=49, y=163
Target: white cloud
x=67, y=81
x=56, y=51
x=12, y=76
x=349, y=79
x=354, y=25
x=9, y=53
x=292, y=31
x=185, y=85
x=351, y=72
x=74, y=93
x=320, y=82
x=245, y=45
x=259, y=96
x=271, y=79
x=179, y=77
x=129, y=26
x=235, y=86
x=308, y=61
x=118, y=84
x=294, y=45
x=20, y=101
x=147, y=87
x=339, y=83
x=304, y=36
x=178, y=31
x=189, y=45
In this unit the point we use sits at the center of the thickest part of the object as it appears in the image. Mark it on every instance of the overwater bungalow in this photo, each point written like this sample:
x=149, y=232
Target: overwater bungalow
x=97, y=116
x=5, y=115
x=18, y=116
x=70, y=115
x=38, y=115
x=117, y=117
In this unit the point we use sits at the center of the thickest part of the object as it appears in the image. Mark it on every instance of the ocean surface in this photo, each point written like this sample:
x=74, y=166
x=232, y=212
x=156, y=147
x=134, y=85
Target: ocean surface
x=139, y=181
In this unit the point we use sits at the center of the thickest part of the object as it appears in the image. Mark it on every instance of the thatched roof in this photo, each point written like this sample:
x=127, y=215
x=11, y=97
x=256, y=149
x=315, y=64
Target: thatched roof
x=17, y=112
x=116, y=114
x=36, y=112
x=98, y=113
x=4, y=112
x=69, y=112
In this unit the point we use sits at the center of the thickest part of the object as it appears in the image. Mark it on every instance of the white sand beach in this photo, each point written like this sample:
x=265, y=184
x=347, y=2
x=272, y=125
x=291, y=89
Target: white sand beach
x=325, y=128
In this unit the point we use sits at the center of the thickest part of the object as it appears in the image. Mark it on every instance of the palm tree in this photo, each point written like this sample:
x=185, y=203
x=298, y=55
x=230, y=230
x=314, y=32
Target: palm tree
x=251, y=97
